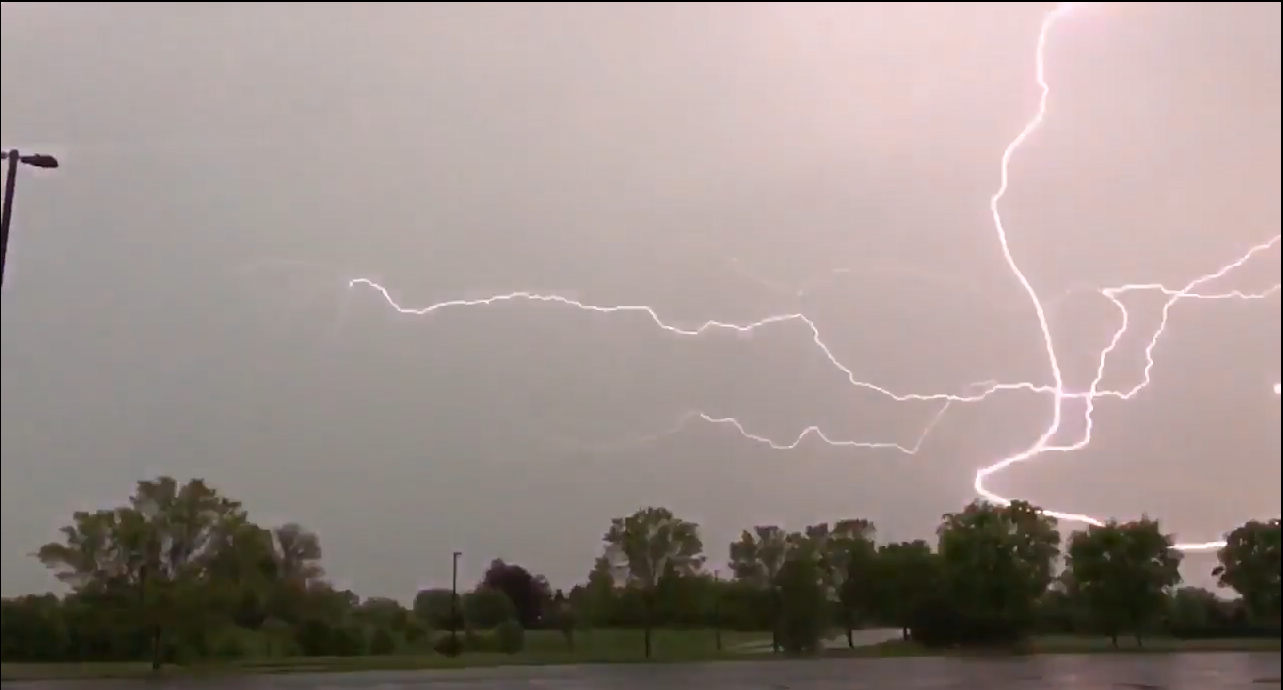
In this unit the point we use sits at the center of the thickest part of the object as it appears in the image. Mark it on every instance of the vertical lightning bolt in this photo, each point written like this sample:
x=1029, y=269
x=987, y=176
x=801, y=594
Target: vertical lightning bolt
x=1057, y=390
x=1059, y=395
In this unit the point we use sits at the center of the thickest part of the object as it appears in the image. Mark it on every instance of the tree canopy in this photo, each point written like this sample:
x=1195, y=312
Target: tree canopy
x=179, y=572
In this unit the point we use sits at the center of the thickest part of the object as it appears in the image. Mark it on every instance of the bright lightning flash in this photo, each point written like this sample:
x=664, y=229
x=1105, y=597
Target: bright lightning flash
x=1057, y=389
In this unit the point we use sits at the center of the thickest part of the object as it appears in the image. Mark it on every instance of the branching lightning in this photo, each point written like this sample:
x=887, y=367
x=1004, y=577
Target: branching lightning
x=1057, y=389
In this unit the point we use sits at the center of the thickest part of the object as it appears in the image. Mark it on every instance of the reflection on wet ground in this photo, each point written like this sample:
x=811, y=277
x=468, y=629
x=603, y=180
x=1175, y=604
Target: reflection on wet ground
x=1246, y=671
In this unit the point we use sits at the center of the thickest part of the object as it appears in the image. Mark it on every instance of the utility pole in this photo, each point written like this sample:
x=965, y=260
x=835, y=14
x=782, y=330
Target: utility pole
x=717, y=608
x=454, y=601
x=13, y=158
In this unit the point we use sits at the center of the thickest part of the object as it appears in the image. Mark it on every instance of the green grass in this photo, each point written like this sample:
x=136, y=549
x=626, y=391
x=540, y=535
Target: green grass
x=607, y=646
x=542, y=647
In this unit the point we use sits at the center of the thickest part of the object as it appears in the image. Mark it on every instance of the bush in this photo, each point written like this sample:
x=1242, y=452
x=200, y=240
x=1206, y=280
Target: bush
x=381, y=643
x=414, y=631
x=510, y=637
x=487, y=608
x=229, y=647
x=938, y=624
x=448, y=645
x=478, y=642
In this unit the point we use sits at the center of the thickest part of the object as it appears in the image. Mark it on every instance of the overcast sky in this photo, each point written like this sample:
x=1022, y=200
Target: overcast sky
x=177, y=301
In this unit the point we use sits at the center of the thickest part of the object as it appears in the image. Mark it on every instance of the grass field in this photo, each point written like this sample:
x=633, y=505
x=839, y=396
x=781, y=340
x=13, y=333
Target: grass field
x=607, y=646
x=542, y=647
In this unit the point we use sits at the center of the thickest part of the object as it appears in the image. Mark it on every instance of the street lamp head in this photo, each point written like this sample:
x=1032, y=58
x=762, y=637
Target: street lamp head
x=39, y=160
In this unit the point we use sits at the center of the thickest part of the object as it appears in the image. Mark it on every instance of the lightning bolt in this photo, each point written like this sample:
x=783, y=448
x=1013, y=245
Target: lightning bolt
x=811, y=285
x=1057, y=389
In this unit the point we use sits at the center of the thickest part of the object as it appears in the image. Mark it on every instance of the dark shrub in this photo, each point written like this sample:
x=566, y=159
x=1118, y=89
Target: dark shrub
x=510, y=637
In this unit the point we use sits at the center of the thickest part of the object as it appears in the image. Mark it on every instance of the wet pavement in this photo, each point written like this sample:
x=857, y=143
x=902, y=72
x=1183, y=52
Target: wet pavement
x=1204, y=671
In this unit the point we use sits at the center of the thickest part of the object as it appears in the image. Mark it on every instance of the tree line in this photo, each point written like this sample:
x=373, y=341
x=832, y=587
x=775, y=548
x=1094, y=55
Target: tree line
x=180, y=573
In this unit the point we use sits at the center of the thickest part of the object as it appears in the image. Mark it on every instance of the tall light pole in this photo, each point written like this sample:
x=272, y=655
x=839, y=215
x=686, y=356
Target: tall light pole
x=717, y=609
x=454, y=601
x=13, y=158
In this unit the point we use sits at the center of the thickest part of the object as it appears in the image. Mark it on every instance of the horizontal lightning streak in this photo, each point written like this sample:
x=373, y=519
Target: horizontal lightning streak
x=1057, y=389
x=983, y=390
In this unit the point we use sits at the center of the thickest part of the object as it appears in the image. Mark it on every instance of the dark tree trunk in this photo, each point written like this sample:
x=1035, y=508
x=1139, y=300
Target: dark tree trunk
x=777, y=611
x=156, y=648
x=648, y=615
x=145, y=616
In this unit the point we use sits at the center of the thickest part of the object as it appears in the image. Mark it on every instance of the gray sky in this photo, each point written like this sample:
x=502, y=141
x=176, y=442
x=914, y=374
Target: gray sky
x=176, y=298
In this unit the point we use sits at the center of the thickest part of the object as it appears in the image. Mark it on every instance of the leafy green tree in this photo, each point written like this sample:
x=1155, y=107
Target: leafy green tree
x=904, y=575
x=1124, y=574
x=648, y=545
x=1060, y=610
x=758, y=555
x=159, y=547
x=996, y=564
x=598, y=598
x=179, y=572
x=529, y=593
x=33, y=628
x=1249, y=564
x=486, y=608
x=383, y=613
x=563, y=617
x=434, y=608
x=1196, y=612
x=848, y=561
x=804, y=605
x=756, y=559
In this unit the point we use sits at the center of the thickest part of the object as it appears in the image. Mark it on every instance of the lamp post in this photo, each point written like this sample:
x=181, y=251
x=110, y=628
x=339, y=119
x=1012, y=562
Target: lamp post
x=717, y=609
x=13, y=158
x=454, y=601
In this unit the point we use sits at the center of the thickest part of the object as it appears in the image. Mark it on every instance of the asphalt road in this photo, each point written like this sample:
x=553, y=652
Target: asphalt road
x=1254, y=671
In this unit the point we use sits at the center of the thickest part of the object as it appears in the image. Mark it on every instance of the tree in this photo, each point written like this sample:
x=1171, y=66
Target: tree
x=1249, y=564
x=381, y=642
x=848, y=553
x=486, y=608
x=33, y=628
x=996, y=563
x=756, y=559
x=564, y=616
x=298, y=554
x=596, y=599
x=648, y=545
x=1124, y=573
x=159, y=547
x=179, y=572
x=1196, y=612
x=903, y=576
x=384, y=613
x=758, y=555
x=526, y=591
x=433, y=607
x=804, y=605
